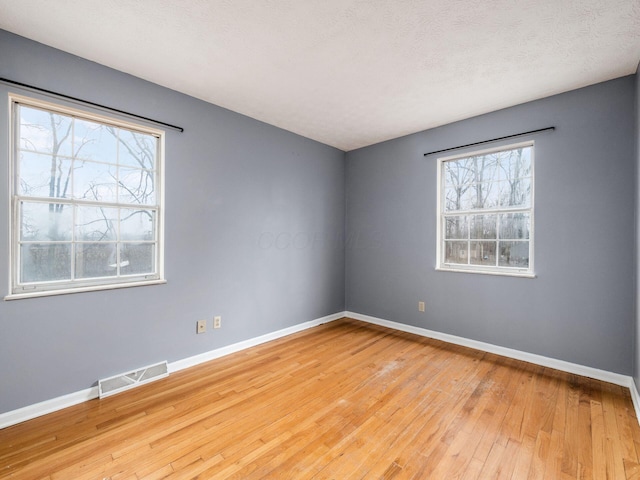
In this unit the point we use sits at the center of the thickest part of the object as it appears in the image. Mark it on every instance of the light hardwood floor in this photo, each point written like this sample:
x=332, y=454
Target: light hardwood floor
x=345, y=400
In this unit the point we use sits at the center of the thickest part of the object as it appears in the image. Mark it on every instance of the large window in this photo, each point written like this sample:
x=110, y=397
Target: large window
x=86, y=201
x=485, y=211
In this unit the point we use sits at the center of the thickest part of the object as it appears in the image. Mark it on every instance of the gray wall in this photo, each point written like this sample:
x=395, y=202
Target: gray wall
x=580, y=308
x=254, y=228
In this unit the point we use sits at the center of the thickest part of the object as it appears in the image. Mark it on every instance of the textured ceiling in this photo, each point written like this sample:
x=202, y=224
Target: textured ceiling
x=347, y=73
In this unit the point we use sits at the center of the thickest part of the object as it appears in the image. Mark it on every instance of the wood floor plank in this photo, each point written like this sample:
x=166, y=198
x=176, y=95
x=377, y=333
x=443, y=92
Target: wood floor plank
x=598, y=441
x=614, y=451
x=469, y=426
x=588, y=391
x=473, y=470
x=345, y=400
x=523, y=458
x=625, y=419
x=540, y=456
x=569, y=404
x=632, y=470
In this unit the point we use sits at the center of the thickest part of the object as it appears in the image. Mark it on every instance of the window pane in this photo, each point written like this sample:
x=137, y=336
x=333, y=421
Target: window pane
x=137, y=258
x=469, y=197
x=456, y=227
x=96, y=224
x=94, y=181
x=44, y=132
x=454, y=199
x=96, y=260
x=483, y=226
x=488, y=195
x=484, y=195
x=515, y=226
x=459, y=172
x=45, y=221
x=514, y=254
x=475, y=196
x=456, y=252
x=137, y=149
x=136, y=186
x=483, y=253
x=137, y=224
x=44, y=175
x=484, y=168
x=516, y=163
x=516, y=193
x=94, y=141
x=45, y=262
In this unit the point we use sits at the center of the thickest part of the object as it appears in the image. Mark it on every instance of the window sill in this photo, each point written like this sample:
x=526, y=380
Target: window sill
x=66, y=291
x=487, y=272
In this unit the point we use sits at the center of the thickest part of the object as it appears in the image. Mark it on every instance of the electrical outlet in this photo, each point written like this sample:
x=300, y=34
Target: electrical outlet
x=217, y=322
x=201, y=326
x=421, y=306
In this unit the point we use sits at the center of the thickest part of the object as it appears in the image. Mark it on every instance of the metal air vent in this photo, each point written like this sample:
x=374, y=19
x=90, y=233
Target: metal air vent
x=125, y=381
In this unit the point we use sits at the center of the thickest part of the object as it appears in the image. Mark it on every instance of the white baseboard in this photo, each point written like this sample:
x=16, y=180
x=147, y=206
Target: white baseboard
x=48, y=406
x=252, y=342
x=605, y=376
x=635, y=397
x=23, y=414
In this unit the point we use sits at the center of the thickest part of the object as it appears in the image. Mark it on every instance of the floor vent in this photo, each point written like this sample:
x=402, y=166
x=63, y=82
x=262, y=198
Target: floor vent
x=125, y=381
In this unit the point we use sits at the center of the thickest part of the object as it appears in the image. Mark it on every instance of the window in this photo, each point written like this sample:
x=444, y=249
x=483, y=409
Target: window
x=86, y=201
x=485, y=211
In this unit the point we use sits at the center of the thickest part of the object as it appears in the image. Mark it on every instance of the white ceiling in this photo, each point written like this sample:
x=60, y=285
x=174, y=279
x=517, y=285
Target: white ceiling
x=348, y=73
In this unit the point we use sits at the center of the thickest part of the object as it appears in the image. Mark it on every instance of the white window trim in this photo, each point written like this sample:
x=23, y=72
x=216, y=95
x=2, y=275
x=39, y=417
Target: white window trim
x=481, y=269
x=14, y=228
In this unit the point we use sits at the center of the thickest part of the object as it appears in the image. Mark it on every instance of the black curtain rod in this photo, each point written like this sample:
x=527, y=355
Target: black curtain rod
x=492, y=140
x=86, y=102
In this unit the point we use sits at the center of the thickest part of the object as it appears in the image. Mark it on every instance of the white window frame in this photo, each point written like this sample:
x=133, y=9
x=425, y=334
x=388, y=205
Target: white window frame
x=483, y=269
x=38, y=289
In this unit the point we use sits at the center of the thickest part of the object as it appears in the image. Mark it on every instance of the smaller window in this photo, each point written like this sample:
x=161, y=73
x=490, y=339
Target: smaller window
x=485, y=211
x=86, y=201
